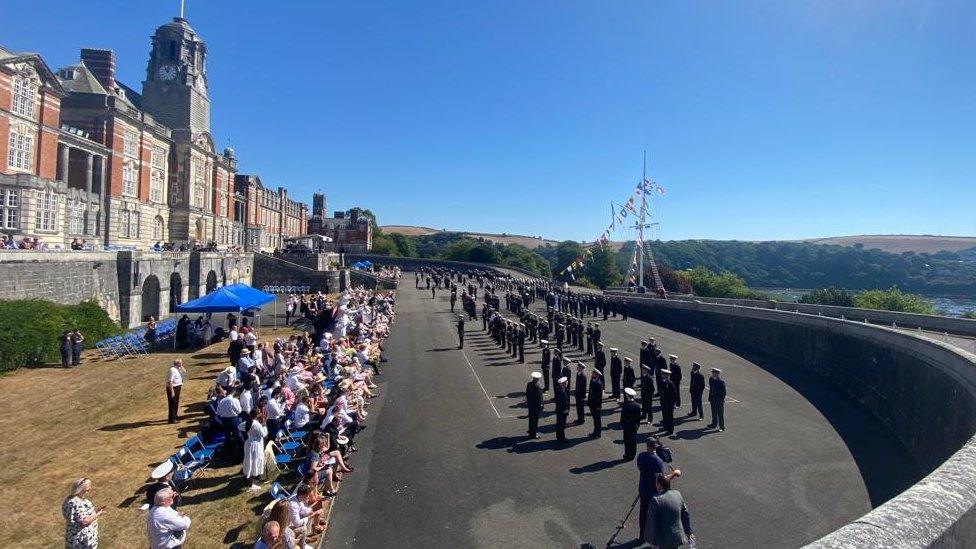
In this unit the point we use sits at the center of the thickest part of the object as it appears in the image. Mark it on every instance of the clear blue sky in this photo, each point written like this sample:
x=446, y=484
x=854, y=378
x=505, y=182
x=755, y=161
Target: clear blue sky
x=763, y=120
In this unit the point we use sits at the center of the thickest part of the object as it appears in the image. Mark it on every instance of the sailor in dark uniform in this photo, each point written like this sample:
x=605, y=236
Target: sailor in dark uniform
x=667, y=392
x=630, y=377
x=589, y=338
x=616, y=370
x=460, y=331
x=716, y=398
x=580, y=392
x=595, y=401
x=600, y=360
x=567, y=371
x=597, y=335
x=696, y=389
x=520, y=342
x=676, y=377
x=533, y=401
x=630, y=413
x=659, y=364
x=562, y=408
x=647, y=393
x=546, y=358
x=623, y=309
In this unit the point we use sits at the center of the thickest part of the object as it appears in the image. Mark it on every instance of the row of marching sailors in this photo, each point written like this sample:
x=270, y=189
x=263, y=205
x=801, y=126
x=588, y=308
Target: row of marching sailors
x=623, y=383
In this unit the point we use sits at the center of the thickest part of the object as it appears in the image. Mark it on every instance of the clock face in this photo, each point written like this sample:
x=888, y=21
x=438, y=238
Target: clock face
x=167, y=72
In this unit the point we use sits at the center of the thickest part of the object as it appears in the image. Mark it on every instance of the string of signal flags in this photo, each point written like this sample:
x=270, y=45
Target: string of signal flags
x=645, y=188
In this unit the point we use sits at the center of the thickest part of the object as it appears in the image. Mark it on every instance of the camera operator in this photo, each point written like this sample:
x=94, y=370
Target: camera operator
x=655, y=461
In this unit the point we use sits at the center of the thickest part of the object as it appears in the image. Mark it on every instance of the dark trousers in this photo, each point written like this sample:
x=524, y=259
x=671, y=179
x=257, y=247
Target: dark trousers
x=668, y=422
x=589, y=346
x=561, y=425
x=533, y=422
x=677, y=395
x=173, y=403
x=645, y=501
x=647, y=409
x=461, y=340
x=615, y=384
x=630, y=443
x=696, y=405
x=595, y=413
x=545, y=376
x=580, y=404
x=718, y=413
x=521, y=351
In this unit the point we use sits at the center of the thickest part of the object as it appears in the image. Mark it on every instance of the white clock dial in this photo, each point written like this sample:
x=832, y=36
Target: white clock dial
x=167, y=72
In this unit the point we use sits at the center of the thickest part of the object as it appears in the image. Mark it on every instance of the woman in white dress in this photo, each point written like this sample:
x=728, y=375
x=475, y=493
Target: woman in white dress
x=254, y=446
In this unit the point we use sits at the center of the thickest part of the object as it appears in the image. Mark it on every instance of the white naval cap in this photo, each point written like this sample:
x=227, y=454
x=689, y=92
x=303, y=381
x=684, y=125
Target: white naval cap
x=536, y=375
x=673, y=357
x=719, y=370
x=563, y=379
x=597, y=372
x=613, y=349
x=627, y=359
x=666, y=372
x=544, y=341
x=630, y=392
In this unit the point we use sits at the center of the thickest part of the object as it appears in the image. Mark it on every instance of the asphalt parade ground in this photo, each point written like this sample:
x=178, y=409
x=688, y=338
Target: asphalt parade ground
x=446, y=461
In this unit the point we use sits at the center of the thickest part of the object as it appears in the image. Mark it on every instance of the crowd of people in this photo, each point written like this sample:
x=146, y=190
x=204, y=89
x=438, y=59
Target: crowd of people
x=301, y=399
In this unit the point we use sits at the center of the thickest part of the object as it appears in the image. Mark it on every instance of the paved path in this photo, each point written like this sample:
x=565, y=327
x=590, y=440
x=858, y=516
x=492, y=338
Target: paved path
x=446, y=463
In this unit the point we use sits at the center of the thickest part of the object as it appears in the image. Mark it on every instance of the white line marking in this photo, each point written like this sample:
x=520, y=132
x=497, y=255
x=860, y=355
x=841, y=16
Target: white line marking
x=481, y=384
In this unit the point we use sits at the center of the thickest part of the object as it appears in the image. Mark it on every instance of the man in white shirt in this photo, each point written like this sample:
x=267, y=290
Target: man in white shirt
x=174, y=382
x=270, y=535
x=229, y=407
x=167, y=528
x=247, y=401
x=303, y=518
x=233, y=335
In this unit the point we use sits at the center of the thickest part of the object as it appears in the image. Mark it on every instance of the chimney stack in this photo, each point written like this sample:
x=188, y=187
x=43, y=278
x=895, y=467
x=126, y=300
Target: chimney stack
x=101, y=63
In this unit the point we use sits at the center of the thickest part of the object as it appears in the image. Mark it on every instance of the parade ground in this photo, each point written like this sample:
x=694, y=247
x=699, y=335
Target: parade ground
x=446, y=461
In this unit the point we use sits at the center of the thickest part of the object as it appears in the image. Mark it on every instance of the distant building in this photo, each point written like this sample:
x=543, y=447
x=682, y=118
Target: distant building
x=350, y=231
x=269, y=215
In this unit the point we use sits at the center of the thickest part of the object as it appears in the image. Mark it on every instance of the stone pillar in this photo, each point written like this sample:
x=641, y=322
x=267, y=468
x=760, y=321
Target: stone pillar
x=102, y=228
x=89, y=172
x=65, y=162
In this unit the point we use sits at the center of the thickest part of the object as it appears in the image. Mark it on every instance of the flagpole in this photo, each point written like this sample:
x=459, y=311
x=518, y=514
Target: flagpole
x=640, y=221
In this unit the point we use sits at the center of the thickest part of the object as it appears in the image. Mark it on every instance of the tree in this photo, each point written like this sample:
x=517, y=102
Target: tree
x=707, y=283
x=893, y=300
x=601, y=267
x=566, y=252
x=404, y=246
x=829, y=296
x=367, y=213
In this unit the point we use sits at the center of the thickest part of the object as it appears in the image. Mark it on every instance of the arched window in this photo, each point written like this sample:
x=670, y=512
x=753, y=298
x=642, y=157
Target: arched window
x=156, y=186
x=20, y=150
x=24, y=96
x=158, y=228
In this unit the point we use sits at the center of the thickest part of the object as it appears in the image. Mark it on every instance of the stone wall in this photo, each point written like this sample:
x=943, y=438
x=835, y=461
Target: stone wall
x=128, y=285
x=272, y=271
x=923, y=391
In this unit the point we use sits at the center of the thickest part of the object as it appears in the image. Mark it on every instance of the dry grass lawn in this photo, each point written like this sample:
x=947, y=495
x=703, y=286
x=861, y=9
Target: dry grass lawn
x=107, y=421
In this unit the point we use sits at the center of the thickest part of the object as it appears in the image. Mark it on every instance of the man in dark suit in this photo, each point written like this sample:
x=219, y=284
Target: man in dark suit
x=630, y=413
x=600, y=360
x=562, y=407
x=616, y=370
x=580, y=392
x=667, y=392
x=647, y=394
x=668, y=522
x=595, y=401
x=533, y=400
x=697, y=388
x=716, y=398
x=676, y=377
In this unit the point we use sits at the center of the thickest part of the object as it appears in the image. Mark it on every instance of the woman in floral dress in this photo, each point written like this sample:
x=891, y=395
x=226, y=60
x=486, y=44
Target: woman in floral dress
x=81, y=517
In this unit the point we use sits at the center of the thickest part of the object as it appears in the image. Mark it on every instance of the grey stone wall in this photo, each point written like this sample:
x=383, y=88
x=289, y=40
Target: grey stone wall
x=923, y=391
x=270, y=270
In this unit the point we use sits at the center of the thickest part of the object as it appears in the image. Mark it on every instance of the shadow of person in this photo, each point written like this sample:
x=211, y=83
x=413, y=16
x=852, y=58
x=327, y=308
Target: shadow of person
x=692, y=434
x=597, y=466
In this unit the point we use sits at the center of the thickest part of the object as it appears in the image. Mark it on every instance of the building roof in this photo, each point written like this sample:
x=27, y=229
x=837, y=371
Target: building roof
x=78, y=79
x=8, y=57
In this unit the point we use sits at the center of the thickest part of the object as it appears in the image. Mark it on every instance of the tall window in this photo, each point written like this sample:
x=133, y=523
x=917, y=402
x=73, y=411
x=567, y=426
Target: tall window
x=47, y=212
x=130, y=145
x=130, y=178
x=134, y=224
x=199, y=185
x=157, y=230
x=128, y=223
x=156, y=186
x=20, y=152
x=25, y=92
x=76, y=217
x=9, y=208
x=158, y=157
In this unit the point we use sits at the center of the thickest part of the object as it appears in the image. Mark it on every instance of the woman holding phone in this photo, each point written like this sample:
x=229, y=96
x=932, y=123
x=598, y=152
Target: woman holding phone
x=81, y=517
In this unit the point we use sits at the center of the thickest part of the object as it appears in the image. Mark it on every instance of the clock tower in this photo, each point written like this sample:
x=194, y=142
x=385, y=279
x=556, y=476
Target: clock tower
x=175, y=89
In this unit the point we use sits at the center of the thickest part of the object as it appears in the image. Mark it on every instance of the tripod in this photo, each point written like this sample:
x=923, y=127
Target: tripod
x=623, y=522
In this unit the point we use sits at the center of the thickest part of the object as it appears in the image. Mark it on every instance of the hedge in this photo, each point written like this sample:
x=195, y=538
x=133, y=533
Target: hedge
x=30, y=328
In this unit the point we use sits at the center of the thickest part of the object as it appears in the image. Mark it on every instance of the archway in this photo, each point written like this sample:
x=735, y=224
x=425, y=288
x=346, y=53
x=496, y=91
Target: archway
x=211, y=281
x=150, y=297
x=175, y=291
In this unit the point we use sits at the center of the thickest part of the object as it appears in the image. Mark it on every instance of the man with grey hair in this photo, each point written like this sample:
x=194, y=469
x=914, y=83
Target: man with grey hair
x=270, y=535
x=167, y=528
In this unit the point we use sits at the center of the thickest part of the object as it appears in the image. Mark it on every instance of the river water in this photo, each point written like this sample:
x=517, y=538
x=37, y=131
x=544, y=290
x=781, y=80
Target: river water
x=950, y=306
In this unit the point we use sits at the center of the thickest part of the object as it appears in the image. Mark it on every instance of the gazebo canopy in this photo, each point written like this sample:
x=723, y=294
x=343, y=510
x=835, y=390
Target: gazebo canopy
x=234, y=298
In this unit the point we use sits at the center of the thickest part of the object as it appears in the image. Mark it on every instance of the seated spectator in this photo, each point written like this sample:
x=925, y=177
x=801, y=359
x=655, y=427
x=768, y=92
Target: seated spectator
x=270, y=536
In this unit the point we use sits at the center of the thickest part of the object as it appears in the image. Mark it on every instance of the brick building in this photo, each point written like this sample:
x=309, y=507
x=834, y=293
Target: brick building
x=84, y=155
x=350, y=231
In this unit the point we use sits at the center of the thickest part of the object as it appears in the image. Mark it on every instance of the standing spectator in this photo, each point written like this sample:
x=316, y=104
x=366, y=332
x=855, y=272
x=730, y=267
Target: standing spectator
x=256, y=432
x=182, y=332
x=289, y=309
x=207, y=332
x=174, y=383
x=151, y=333
x=167, y=528
x=668, y=523
x=76, y=347
x=65, y=344
x=81, y=517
